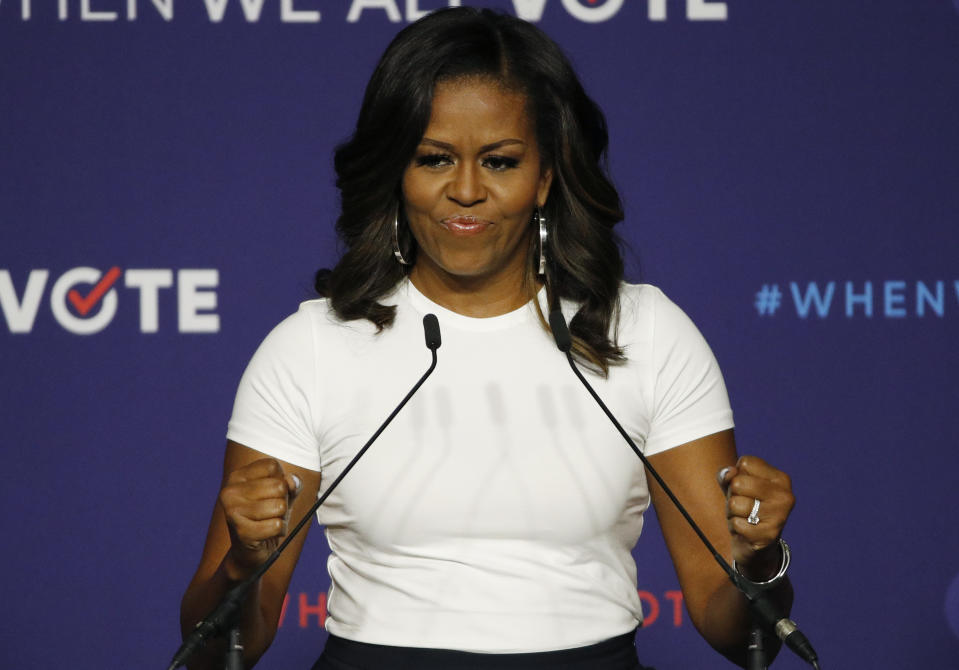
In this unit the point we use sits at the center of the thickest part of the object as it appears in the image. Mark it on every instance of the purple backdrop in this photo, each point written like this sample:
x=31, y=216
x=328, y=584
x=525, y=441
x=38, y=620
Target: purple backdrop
x=791, y=175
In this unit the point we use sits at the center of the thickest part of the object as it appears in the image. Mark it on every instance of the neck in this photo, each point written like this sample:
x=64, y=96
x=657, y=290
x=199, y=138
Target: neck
x=474, y=296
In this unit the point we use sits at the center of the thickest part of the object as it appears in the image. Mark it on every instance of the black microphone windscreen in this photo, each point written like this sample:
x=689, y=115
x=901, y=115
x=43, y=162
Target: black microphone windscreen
x=431, y=326
x=557, y=324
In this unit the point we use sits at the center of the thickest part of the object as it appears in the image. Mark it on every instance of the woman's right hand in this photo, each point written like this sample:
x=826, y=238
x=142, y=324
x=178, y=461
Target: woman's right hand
x=257, y=497
x=256, y=500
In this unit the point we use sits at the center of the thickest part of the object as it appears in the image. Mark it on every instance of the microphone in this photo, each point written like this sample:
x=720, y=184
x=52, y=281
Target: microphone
x=222, y=617
x=431, y=328
x=784, y=628
x=557, y=324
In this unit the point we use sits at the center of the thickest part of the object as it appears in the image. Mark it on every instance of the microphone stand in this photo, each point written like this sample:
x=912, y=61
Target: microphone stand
x=765, y=613
x=223, y=617
x=756, y=652
x=234, y=650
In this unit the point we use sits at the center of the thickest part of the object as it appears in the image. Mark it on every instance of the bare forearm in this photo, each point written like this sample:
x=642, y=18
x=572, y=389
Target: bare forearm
x=202, y=596
x=727, y=621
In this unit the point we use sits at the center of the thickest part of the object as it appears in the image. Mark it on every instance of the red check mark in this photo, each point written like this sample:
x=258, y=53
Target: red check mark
x=84, y=305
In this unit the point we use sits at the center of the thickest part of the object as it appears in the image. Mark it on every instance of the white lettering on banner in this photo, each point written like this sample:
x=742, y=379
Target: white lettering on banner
x=532, y=10
x=190, y=299
x=290, y=15
x=251, y=9
x=215, y=9
x=356, y=9
x=163, y=7
x=656, y=10
x=529, y=10
x=94, y=308
x=414, y=13
x=696, y=10
x=149, y=282
x=294, y=11
x=604, y=12
x=87, y=13
x=706, y=10
x=21, y=314
x=58, y=302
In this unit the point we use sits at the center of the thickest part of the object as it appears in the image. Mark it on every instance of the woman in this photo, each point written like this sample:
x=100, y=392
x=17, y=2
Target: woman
x=491, y=524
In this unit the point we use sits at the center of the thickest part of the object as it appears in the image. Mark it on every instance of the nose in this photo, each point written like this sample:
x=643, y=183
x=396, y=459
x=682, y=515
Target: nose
x=466, y=186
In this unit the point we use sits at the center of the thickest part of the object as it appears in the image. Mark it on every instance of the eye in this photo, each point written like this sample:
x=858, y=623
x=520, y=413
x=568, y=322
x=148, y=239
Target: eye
x=433, y=160
x=500, y=163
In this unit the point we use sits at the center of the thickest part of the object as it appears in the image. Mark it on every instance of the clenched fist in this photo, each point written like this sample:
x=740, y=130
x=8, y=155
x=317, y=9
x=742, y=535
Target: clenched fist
x=759, y=499
x=256, y=500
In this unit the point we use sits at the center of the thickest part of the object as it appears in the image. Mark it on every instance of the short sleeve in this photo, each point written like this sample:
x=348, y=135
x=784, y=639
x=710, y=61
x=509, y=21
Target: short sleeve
x=689, y=394
x=274, y=410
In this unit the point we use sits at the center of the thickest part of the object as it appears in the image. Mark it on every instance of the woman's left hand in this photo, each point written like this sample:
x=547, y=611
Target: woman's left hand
x=759, y=499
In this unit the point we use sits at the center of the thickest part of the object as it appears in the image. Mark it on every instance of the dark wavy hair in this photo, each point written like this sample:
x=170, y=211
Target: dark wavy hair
x=584, y=263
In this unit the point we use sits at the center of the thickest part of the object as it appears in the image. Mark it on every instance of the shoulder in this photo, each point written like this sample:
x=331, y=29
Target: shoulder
x=316, y=333
x=315, y=323
x=645, y=307
x=635, y=303
x=652, y=323
x=639, y=298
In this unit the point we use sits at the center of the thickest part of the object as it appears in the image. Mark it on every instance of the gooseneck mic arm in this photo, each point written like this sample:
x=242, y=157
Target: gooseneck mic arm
x=222, y=617
x=785, y=629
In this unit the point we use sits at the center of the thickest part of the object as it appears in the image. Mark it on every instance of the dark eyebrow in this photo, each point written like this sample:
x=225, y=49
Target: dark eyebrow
x=483, y=149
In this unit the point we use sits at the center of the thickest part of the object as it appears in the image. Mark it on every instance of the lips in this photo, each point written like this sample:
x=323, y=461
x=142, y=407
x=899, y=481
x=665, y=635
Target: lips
x=465, y=225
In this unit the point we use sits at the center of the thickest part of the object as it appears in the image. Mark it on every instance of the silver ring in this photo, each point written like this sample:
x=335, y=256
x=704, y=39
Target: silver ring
x=753, y=518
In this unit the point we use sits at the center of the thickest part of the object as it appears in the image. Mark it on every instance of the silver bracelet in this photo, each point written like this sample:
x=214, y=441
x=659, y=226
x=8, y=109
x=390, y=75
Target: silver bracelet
x=778, y=577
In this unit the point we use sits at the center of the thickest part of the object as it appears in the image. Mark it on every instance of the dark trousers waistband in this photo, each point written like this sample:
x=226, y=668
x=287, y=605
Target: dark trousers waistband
x=618, y=653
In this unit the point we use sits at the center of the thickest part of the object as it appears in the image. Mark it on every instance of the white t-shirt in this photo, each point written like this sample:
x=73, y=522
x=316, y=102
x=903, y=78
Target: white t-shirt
x=498, y=510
